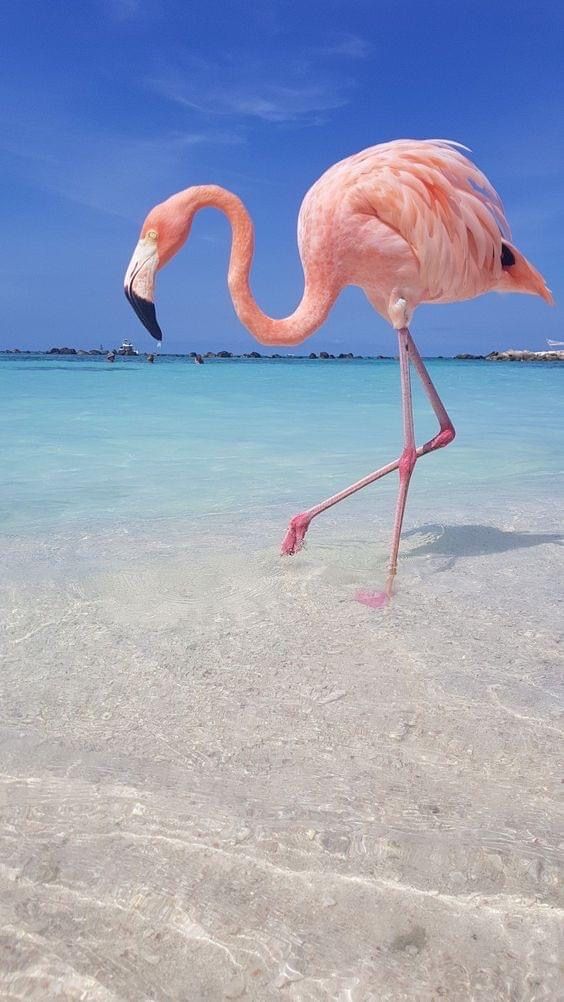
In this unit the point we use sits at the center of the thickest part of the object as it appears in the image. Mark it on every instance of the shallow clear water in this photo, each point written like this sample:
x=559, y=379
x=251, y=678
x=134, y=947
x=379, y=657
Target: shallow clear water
x=221, y=777
x=91, y=443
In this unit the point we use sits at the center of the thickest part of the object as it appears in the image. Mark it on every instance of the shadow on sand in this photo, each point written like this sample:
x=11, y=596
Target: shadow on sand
x=457, y=541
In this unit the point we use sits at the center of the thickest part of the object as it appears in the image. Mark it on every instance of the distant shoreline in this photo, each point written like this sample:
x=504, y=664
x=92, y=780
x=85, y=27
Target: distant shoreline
x=510, y=355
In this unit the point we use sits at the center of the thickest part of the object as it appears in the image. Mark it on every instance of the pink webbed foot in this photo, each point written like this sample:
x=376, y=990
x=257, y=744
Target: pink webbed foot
x=374, y=599
x=294, y=538
x=377, y=599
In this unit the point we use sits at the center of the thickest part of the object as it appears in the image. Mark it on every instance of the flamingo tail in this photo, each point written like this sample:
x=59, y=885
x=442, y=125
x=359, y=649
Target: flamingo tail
x=519, y=275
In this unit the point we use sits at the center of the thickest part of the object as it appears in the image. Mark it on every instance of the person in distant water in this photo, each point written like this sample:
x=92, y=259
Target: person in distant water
x=198, y=360
x=150, y=358
x=111, y=356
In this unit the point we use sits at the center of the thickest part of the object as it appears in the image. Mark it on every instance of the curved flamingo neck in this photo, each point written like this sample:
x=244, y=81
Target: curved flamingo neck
x=317, y=297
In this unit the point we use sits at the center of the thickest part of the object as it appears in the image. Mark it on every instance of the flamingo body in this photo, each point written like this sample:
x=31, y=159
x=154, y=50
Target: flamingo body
x=410, y=222
x=415, y=216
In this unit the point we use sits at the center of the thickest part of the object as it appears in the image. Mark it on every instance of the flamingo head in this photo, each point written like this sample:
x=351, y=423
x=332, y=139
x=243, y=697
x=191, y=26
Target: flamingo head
x=162, y=235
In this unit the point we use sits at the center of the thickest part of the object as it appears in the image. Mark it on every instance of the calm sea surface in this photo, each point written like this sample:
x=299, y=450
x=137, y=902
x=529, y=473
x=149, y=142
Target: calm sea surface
x=220, y=775
x=93, y=444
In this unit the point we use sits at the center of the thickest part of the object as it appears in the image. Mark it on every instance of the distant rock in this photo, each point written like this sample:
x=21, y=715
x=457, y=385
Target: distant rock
x=324, y=354
x=347, y=354
x=210, y=354
x=524, y=355
x=74, y=351
x=466, y=356
x=312, y=355
x=225, y=354
x=252, y=354
x=276, y=356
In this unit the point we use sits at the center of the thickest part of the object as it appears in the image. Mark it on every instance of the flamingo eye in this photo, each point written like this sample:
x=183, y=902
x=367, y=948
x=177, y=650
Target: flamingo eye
x=152, y=234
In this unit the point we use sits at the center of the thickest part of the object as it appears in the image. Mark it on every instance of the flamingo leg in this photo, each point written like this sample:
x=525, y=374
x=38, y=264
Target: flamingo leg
x=293, y=540
x=446, y=428
x=407, y=463
x=408, y=352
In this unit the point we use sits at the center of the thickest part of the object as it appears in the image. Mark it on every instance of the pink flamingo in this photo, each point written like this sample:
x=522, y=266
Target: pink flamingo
x=411, y=221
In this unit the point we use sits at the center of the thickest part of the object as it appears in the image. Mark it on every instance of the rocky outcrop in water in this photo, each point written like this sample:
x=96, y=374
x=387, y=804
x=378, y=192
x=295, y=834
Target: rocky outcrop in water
x=73, y=351
x=516, y=355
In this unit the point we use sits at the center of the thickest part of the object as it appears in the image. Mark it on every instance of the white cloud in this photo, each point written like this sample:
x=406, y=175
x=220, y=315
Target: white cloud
x=347, y=45
x=253, y=90
x=106, y=172
x=123, y=10
x=271, y=103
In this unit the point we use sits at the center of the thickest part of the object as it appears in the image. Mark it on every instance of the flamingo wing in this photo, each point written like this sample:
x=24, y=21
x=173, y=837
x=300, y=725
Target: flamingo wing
x=442, y=205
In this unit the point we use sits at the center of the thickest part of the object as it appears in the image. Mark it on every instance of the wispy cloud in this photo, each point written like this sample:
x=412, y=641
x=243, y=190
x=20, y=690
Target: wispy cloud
x=122, y=10
x=348, y=46
x=110, y=173
x=126, y=12
x=270, y=102
x=212, y=137
x=256, y=90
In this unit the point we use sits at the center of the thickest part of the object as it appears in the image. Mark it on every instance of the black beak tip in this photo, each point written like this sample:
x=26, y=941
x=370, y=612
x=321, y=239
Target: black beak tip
x=146, y=312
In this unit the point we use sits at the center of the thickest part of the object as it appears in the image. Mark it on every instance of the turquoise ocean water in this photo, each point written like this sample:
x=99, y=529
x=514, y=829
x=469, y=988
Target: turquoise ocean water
x=91, y=444
x=225, y=772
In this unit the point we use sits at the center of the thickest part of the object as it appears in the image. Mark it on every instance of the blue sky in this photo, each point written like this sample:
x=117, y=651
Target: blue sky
x=108, y=106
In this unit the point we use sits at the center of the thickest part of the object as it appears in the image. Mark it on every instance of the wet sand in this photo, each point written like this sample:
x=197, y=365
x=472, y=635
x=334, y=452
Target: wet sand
x=224, y=779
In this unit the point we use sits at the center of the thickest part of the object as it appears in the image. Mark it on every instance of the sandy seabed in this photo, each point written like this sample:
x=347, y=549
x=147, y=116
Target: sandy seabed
x=222, y=778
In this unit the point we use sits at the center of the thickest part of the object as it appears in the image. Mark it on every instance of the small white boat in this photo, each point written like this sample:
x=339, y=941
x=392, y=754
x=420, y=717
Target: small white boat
x=126, y=348
x=554, y=344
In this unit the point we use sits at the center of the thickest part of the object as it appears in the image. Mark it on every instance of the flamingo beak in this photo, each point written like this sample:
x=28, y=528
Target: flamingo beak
x=139, y=283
